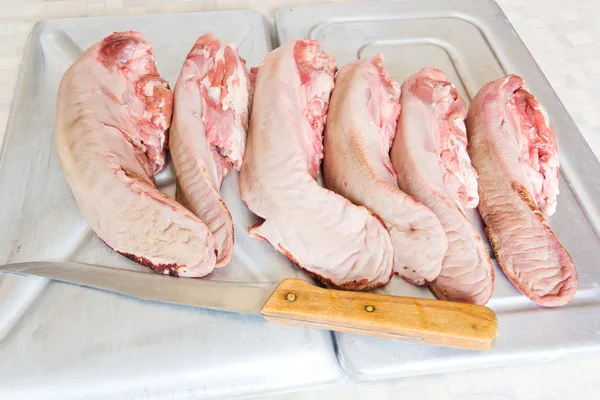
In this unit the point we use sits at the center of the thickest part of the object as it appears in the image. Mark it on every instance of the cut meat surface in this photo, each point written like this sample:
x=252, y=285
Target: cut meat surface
x=113, y=112
x=225, y=92
x=515, y=153
x=361, y=125
x=430, y=158
x=341, y=244
x=208, y=136
x=536, y=143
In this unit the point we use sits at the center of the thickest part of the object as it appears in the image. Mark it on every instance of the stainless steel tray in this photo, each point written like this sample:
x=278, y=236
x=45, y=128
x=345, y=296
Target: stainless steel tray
x=473, y=43
x=64, y=342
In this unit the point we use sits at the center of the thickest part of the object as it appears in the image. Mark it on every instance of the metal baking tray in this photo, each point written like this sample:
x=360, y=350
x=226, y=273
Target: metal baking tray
x=473, y=43
x=63, y=342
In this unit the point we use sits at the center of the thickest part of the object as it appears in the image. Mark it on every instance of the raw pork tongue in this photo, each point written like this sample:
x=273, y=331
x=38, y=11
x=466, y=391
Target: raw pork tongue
x=430, y=157
x=361, y=125
x=208, y=136
x=113, y=112
x=515, y=153
x=341, y=244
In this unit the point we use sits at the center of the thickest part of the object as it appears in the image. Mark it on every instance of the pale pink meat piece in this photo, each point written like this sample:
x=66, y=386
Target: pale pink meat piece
x=208, y=135
x=361, y=124
x=514, y=151
x=430, y=158
x=341, y=244
x=113, y=112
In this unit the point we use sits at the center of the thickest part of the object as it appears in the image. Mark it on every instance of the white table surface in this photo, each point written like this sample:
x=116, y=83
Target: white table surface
x=564, y=38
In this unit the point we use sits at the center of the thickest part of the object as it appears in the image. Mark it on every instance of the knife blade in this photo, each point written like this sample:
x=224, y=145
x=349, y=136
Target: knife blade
x=292, y=301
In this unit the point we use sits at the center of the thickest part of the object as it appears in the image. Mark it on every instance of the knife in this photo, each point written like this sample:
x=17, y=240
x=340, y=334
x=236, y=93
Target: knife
x=293, y=301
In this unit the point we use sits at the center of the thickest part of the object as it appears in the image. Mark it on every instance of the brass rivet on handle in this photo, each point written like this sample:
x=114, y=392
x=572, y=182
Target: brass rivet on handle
x=369, y=308
x=290, y=297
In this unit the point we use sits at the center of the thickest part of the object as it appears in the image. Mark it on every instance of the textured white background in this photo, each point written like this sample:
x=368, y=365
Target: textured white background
x=564, y=38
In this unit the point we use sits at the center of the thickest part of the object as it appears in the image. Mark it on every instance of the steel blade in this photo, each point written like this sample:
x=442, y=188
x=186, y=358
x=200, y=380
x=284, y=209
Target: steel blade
x=246, y=298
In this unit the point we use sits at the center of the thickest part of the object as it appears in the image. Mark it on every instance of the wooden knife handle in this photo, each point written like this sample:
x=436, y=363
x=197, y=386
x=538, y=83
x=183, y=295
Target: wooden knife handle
x=434, y=322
